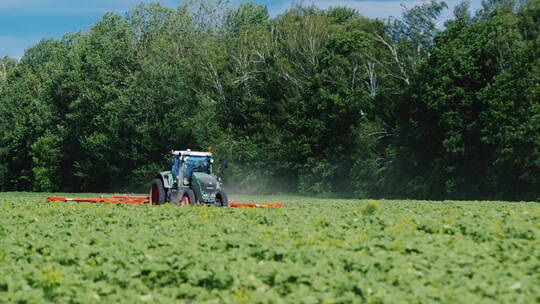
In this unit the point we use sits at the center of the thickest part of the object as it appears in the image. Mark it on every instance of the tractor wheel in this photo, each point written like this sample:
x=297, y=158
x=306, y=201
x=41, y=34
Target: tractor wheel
x=221, y=199
x=157, y=192
x=188, y=198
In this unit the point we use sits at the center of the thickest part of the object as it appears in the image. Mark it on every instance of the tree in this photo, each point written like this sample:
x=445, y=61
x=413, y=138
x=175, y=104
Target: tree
x=28, y=106
x=468, y=124
x=410, y=38
x=6, y=65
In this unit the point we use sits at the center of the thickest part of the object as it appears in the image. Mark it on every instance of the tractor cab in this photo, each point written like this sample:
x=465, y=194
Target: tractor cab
x=191, y=164
x=191, y=181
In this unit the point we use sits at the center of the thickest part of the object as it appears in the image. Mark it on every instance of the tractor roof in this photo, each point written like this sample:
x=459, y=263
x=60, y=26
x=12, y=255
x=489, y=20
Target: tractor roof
x=192, y=153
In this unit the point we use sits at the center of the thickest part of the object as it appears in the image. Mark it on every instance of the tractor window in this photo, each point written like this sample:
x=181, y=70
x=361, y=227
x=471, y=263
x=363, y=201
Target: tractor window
x=196, y=164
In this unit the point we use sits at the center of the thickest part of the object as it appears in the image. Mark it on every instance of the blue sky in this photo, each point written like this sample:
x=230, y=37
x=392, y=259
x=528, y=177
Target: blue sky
x=24, y=22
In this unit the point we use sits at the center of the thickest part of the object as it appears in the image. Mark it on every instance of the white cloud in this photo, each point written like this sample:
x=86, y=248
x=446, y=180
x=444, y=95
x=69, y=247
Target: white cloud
x=381, y=9
x=15, y=46
x=276, y=9
x=371, y=9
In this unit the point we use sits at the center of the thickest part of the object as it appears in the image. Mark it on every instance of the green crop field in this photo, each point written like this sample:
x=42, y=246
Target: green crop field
x=310, y=251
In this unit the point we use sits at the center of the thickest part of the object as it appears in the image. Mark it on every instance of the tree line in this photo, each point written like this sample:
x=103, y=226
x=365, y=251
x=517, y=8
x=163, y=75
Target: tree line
x=312, y=101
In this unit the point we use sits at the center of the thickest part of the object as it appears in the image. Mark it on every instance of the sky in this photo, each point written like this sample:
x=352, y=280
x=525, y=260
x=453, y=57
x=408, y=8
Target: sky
x=24, y=22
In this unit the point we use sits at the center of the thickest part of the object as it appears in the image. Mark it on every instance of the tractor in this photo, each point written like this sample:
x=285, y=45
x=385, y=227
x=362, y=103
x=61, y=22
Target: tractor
x=191, y=181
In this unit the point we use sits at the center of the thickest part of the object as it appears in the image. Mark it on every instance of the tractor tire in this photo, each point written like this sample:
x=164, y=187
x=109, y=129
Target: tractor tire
x=157, y=192
x=187, y=198
x=221, y=199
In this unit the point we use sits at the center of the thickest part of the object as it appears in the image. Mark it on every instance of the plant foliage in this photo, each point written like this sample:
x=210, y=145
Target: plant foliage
x=310, y=251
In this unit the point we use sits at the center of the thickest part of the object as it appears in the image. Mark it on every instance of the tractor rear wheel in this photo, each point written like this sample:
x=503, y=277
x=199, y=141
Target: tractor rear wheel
x=221, y=199
x=188, y=198
x=157, y=192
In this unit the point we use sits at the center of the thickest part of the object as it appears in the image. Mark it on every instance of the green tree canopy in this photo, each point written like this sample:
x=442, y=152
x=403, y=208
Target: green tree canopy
x=315, y=101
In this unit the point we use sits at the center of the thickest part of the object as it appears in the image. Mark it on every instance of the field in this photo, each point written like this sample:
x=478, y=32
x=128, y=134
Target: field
x=310, y=251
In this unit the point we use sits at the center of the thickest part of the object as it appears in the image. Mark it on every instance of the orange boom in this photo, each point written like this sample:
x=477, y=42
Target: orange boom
x=125, y=199
x=108, y=199
x=263, y=205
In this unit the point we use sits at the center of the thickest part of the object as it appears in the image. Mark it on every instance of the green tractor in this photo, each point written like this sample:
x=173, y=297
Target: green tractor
x=191, y=181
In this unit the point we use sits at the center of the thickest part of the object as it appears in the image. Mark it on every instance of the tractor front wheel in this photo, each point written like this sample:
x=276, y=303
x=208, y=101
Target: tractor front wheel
x=188, y=198
x=157, y=192
x=221, y=199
